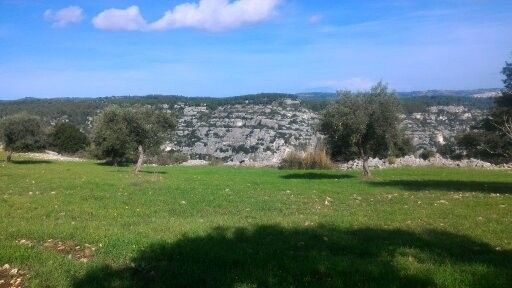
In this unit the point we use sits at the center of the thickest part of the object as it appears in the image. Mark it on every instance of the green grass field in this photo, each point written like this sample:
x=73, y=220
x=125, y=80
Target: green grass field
x=241, y=227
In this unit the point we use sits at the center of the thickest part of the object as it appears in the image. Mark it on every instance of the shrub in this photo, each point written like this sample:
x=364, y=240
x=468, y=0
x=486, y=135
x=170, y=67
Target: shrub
x=168, y=158
x=317, y=159
x=178, y=158
x=450, y=151
x=292, y=160
x=427, y=154
x=392, y=160
x=66, y=138
x=215, y=162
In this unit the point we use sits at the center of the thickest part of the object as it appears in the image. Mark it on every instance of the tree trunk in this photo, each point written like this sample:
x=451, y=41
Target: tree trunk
x=141, y=159
x=366, y=168
x=9, y=156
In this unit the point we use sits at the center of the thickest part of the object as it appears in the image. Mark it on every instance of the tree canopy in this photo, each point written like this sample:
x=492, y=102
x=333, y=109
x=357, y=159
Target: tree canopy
x=363, y=125
x=22, y=133
x=118, y=133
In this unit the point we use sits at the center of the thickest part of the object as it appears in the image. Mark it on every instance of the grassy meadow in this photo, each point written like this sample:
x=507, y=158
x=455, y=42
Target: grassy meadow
x=244, y=227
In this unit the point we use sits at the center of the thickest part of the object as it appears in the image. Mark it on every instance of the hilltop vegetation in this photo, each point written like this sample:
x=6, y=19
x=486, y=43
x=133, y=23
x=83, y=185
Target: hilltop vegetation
x=78, y=111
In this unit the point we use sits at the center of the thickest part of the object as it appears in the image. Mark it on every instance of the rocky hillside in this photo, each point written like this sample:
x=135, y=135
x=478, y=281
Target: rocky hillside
x=439, y=124
x=258, y=128
x=264, y=133
x=245, y=132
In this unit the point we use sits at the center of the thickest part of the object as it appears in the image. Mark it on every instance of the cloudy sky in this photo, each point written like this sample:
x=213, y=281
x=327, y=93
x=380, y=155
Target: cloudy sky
x=89, y=48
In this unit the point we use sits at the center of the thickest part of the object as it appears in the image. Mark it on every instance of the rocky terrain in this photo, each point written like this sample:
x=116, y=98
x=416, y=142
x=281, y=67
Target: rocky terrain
x=263, y=134
x=245, y=132
x=439, y=124
x=412, y=161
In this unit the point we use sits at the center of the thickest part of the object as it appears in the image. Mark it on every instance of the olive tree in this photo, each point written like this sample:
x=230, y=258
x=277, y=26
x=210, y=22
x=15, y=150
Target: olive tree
x=363, y=125
x=119, y=133
x=22, y=133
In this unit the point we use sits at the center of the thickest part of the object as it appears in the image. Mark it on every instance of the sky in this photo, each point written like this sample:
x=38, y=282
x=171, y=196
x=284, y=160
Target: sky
x=219, y=48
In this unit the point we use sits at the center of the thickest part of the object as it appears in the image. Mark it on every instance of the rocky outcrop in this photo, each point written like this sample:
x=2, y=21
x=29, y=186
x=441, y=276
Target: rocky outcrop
x=412, y=161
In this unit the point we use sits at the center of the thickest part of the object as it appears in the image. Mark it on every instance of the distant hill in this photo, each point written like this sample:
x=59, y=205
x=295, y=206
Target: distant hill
x=492, y=92
x=477, y=93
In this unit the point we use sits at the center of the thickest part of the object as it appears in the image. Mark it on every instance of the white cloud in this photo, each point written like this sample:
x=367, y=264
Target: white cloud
x=211, y=15
x=65, y=16
x=128, y=19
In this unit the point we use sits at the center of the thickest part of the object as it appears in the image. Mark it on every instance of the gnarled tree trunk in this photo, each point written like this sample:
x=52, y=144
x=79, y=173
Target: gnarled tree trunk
x=366, y=168
x=9, y=156
x=141, y=159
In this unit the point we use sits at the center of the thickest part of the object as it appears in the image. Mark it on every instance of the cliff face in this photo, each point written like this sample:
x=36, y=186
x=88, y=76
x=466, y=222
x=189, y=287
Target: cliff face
x=264, y=133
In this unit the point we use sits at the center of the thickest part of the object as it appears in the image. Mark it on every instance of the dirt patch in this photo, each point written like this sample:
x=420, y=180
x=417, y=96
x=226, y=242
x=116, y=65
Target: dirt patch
x=11, y=277
x=71, y=249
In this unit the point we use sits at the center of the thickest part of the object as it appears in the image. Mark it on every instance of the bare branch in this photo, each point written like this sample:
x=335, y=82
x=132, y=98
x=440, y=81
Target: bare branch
x=506, y=127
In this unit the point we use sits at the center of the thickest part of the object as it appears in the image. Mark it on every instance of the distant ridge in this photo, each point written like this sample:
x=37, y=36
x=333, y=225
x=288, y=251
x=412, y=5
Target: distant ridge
x=478, y=93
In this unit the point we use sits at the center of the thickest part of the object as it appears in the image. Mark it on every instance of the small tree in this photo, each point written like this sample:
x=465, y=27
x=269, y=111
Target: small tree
x=67, y=138
x=22, y=133
x=121, y=132
x=363, y=125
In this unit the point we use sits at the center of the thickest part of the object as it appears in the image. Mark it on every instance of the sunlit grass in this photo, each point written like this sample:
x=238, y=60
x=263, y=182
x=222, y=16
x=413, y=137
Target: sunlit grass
x=413, y=227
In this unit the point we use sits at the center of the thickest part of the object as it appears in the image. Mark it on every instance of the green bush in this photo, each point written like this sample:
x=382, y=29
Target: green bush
x=450, y=151
x=427, y=154
x=67, y=138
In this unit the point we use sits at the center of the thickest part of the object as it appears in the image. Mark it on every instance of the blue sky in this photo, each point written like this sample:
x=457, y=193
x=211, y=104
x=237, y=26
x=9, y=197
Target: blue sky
x=224, y=48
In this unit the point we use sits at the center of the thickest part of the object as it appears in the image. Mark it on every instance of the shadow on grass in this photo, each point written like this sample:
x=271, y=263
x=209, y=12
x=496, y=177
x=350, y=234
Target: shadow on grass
x=448, y=186
x=30, y=162
x=109, y=164
x=316, y=176
x=274, y=256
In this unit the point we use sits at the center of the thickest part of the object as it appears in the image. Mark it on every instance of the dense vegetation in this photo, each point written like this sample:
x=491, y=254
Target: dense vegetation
x=229, y=227
x=65, y=138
